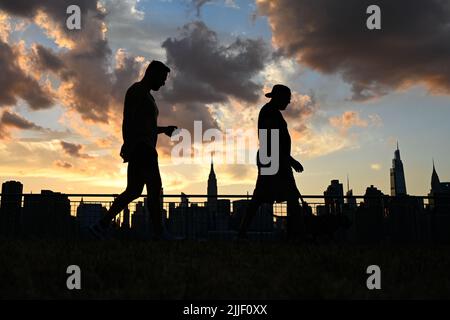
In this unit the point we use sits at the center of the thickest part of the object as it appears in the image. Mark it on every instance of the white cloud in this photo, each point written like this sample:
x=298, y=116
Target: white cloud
x=123, y=11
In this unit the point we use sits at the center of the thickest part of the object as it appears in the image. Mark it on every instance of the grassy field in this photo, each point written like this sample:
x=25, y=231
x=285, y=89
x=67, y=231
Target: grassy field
x=220, y=270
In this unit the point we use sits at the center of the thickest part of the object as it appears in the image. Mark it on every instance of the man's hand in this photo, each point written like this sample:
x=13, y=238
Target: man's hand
x=169, y=130
x=297, y=166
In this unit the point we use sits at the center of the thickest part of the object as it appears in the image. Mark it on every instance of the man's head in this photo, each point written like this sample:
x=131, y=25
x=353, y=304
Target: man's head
x=281, y=96
x=156, y=74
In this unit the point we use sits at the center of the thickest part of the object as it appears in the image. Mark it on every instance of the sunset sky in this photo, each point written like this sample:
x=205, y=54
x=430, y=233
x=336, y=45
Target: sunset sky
x=356, y=92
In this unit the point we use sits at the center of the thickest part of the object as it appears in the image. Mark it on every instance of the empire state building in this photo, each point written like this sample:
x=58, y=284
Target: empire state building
x=212, y=188
x=398, y=184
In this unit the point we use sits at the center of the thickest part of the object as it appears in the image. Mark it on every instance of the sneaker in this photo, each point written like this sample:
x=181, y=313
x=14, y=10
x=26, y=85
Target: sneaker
x=98, y=231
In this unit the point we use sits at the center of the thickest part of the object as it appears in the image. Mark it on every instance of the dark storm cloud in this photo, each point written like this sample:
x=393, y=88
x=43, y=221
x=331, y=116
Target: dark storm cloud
x=124, y=75
x=10, y=120
x=85, y=71
x=89, y=86
x=207, y=71
x=55, y=8
x=331, y=36
x=16, y=84
x=17, y=121
x=47, y=59
x=73, y=150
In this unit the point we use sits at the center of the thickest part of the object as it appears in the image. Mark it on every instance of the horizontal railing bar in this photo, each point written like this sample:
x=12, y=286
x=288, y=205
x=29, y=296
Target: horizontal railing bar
x=113, y=195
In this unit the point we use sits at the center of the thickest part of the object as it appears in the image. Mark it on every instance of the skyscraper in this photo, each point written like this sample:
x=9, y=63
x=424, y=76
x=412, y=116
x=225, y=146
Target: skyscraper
x=11, y=207
x=334, y=197
x=47, y=214
x=440, y=191
x=87, y=215
x=350, y=200
x=212, y=189
x=435, y=181
x=398, y=184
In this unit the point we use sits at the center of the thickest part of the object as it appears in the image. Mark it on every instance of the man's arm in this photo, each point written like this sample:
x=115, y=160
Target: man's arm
x=297, y=166
x=167, y=130
x=162, y=129
x=129, y=115
x=128, y=125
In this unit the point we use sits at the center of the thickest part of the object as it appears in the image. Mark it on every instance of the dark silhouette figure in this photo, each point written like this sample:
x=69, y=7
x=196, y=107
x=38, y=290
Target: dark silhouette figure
x=281, y=185
x=140, y=132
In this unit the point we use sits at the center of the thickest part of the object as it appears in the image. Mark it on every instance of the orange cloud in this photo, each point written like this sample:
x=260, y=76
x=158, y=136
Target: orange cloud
x=53, y=30
x=347, y=120
x=5, y=27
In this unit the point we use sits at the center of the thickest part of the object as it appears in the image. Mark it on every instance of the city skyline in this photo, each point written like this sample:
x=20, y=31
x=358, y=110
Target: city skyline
x=396, y=188
x=345, y=116
x=375, y=218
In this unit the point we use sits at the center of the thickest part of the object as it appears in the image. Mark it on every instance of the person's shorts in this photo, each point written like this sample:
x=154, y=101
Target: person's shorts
x=143, y=164
x=276, y=188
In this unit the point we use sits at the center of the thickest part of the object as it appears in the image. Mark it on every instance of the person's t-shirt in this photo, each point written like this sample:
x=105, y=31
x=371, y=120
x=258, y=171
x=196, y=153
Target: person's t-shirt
x=271, y=118
x=140, y=117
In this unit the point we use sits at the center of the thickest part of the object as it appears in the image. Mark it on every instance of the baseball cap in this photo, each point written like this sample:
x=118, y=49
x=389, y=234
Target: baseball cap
x=278, y=90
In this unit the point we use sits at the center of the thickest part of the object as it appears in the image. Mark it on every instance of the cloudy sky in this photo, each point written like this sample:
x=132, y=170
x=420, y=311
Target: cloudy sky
x=355, y=91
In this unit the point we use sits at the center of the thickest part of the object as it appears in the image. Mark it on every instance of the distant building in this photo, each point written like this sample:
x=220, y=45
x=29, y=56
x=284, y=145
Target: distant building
x=369, y=217
x=350, y=200
x=87, y=215
x=196, y=222
x=177, y=219
x=212, y=190
x=47, y=215
x=11, y=207
x=439, y=209
x=322, y=210
x=188, y=221
x=184, y=200
x=261, y=222
x=398, y=184
x=404, y=219
x=139, y=220
x=374, y=197
x=222, y=215
x=126, y=218
x=439, y=193
x=334, y=197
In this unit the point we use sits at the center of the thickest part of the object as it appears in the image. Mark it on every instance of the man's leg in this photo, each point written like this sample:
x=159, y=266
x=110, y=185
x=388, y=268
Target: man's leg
x=252, y=208
x=154, y=186
x=295, y=222
x=135, y=185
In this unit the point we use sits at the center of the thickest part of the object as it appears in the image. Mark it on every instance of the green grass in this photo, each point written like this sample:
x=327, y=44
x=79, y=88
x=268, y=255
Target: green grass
x=220, y=270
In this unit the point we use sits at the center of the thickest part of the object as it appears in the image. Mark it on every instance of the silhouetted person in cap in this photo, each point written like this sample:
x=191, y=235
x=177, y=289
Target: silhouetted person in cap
x=140, y=133
x=279, y=185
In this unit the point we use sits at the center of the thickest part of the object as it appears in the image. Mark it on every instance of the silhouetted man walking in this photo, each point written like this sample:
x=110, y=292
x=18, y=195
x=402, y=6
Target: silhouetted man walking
x=140, y=133
x=278, y=186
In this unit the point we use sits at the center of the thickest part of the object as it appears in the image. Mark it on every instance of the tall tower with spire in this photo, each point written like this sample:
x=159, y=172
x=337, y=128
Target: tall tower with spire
x=350, y=200
x=439, y=193
x=398, y=184
x=212, y=187
x=435, y=182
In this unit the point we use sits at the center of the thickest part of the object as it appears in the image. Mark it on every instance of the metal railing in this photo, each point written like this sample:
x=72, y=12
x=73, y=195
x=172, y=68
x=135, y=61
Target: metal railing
x=199, y=217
